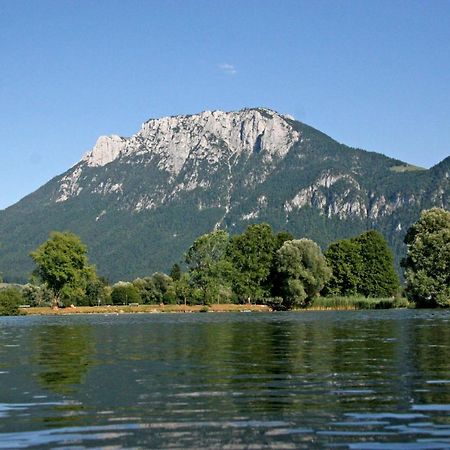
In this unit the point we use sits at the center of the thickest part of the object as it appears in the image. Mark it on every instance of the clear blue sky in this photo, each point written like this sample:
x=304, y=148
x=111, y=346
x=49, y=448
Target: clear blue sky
x=371, y=74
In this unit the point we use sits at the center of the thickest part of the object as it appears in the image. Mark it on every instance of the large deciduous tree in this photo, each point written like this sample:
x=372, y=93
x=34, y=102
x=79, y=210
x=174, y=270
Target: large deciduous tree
x=362, y=265
x=345, y=262
x=63, y=265
x=303, y=272
x=252, y=254
x=209, y=269
x=427, y=262
x=378, y=277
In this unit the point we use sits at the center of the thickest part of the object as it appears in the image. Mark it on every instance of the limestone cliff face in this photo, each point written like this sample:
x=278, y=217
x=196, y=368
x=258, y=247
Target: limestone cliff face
x=202, y=151
x=196, y=146
x=177, y=138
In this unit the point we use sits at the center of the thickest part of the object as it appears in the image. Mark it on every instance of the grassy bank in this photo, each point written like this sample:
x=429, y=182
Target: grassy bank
x=353, y=303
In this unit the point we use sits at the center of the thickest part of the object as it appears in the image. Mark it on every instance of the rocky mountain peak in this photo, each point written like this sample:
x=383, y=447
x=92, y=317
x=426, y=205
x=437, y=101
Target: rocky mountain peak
x=175, y=138
x=106, y=150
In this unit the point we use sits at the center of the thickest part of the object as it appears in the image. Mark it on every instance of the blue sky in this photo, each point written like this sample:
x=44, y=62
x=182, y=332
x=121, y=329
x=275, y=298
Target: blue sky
x=371, y=74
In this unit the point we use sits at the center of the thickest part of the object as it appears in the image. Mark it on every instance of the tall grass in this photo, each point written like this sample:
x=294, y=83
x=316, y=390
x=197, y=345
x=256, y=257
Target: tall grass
x=358, y=303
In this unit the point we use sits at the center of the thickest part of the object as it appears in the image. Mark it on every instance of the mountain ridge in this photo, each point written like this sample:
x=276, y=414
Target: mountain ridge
x=139, y=202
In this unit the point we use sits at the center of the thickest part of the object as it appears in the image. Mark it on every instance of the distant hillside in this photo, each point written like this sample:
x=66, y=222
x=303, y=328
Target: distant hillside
x=139, y=202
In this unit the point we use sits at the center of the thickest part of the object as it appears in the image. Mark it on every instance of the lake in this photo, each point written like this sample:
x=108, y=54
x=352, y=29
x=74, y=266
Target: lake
x=348, y=379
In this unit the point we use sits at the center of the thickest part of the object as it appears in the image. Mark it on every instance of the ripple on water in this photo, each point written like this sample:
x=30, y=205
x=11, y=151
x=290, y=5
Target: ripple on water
x=420, y=445
x=66, y=435
x=231, y=381
x=432, y=407
x=385, y=415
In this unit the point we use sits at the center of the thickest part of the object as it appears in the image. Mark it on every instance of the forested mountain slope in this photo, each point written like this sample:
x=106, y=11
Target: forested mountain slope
x=139, y=202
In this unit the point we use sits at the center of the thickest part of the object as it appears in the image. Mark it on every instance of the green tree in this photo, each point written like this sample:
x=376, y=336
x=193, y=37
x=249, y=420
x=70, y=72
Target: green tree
x=96, y=292
x=281, y=238
x=124, y=294
x=303, y=272
x=273, y=281
x=164, y=288
x=378, y=277
x=183, y=289
x=157, y=289
x=207, y=250
x=10, y=299
x=147, y=290
x=427, y=262
x=362, y=265
x=62, y=264
x=345, y=261
x=175, y=272
x=209, y=269
x=252, y=254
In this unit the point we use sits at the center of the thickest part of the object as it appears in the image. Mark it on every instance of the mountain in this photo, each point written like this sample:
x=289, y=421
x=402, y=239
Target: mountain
x=139, y=202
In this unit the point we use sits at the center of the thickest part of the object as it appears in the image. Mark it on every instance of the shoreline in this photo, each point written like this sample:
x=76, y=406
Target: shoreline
x=156, y=309
x=142, y=309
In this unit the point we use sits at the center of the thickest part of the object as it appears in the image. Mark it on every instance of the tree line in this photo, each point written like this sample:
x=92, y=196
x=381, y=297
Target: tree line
x=258, y=266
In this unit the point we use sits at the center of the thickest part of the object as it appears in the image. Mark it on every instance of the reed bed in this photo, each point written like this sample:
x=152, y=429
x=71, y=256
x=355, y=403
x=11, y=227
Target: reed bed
x=352, y=303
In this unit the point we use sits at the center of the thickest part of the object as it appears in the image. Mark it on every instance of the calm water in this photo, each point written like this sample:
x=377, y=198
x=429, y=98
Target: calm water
x=369, y=380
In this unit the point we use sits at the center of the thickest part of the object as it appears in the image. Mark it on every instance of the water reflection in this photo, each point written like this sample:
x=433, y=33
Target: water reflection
x=64, y=354
x=375, y=379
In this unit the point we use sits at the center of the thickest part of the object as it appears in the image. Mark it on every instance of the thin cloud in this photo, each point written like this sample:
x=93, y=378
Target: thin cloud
x=227, y=68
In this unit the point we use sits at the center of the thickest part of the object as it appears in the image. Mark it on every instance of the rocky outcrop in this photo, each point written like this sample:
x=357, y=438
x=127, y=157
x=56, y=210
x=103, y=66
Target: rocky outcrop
x=211, y=141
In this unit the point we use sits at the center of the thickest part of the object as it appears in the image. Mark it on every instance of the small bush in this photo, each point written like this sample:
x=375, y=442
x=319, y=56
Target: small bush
x=275, y=303
x=402, y=302
x=37, y=295
x=10, y=299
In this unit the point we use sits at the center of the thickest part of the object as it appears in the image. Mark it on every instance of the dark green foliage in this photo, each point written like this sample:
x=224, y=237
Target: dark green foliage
x=207, y=250
x=62, y=264
x=378, y=277
x=10, y=299
x=124, y=294
x=175, y=272
x=281, y=238
x=147, y=290
x=164, y=288
x=362, y=266
x=157, y=289
x=209, y=270
x=96, y=293
x=182, y=289
x=427, y=263
x=256, y=265
x=303, y=272
x=345, y=261
x=251, y=255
